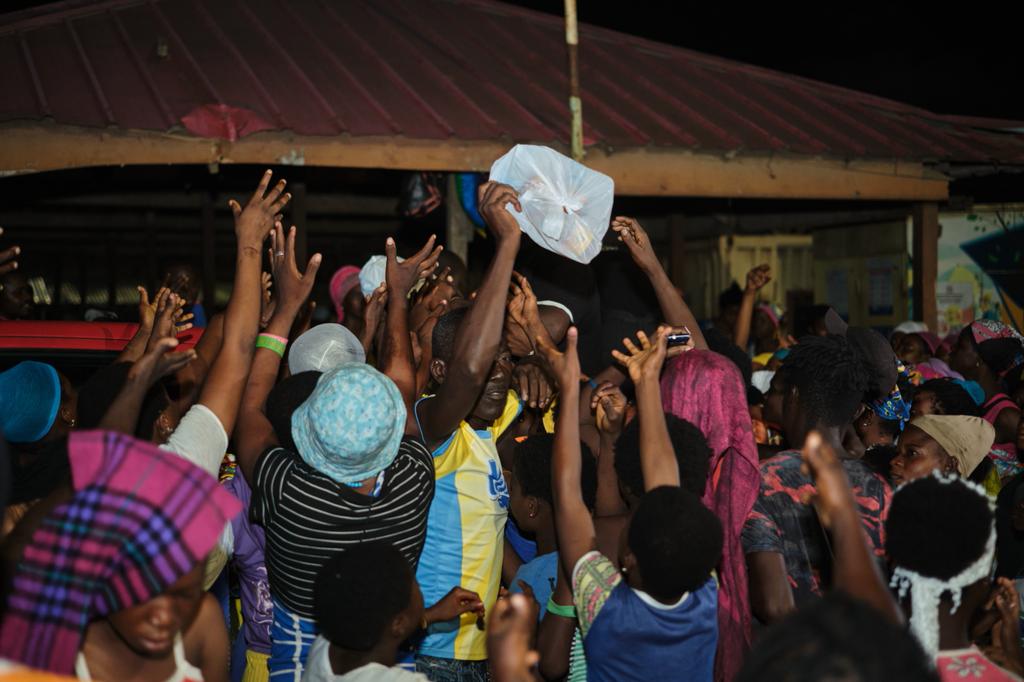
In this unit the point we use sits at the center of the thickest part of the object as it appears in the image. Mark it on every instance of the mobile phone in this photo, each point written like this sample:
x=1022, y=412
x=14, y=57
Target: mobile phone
x=680, y=339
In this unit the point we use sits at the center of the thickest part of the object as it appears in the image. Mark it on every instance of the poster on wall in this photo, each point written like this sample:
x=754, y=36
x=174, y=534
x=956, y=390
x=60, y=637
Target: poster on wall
x=955, y=303
x=981, y=251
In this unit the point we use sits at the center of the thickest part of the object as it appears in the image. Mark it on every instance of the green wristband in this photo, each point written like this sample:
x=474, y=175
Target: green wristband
x=271, y=344
x=561, y=609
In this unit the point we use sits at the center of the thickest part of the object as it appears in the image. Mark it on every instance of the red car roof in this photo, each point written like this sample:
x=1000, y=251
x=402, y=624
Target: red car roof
x=83, y=336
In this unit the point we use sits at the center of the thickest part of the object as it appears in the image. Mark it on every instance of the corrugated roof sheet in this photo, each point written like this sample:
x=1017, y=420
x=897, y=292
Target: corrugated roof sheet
x=438, y=69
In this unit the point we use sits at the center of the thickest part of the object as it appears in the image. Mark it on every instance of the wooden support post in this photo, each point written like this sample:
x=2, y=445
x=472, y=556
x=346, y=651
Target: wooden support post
x=926, y=262
x=572, y=40
x=459, y=229
x=209, y=251
x=299, y=208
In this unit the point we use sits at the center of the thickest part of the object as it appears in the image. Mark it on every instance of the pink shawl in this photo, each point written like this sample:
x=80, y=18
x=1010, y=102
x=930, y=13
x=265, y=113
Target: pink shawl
x=706, y=389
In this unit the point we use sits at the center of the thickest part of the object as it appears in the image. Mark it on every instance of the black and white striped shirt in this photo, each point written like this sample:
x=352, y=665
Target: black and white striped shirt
x=309, y=518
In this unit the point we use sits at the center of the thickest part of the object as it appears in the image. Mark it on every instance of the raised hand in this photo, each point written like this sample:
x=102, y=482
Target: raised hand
x=523, y=316
x=373, y=316
x=255, y=221
x=267, y=302
x=644, y=363
x=633, y=235
x=402, y=277
x=293, y=286
x=167, y=313
x=492, y=198
x=147, y=309
x=533, y=384
x=565, y=367
x=833, y=497
x=608, y=403
x=1005, y=649
x=161, y=360
x=509, y=634
x=8, y=257
x=758, y=277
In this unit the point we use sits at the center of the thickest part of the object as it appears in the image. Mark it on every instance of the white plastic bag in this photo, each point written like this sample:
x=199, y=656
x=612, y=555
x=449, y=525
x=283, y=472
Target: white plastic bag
x=566, y=206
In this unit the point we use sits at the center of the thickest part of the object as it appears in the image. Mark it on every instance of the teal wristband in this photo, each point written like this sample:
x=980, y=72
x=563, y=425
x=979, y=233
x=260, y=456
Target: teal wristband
x=560, y=609
x=271, y=343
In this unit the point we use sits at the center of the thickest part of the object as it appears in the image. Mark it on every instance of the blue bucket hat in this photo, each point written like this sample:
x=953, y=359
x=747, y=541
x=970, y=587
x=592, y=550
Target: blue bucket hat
x=350, y=427
x=29, y=399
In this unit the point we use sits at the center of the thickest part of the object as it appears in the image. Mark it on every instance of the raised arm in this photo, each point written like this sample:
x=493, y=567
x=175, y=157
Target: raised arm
x=673, y=307
x=609, y=407
x=227, y=378
x=479, y=336
x=855, y=570
x=756, y=279
x=253, y=432
x=159, y=361
x=573, y=524
x=396, y=352
x=644, y=364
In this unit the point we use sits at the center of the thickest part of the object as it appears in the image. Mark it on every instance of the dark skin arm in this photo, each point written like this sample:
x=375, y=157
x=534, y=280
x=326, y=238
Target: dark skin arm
x=396, y=351
x=193, y=376
x=554, y=635
x=673, y=307
x=479, y=336
x=644, y=364
x=226, y=381
x=756, y=279
x=253, y=433
x=771, y=597
x=1006, y=425
x=160, y=361
x=573, y=523
x=609, y=406
x=855, y=569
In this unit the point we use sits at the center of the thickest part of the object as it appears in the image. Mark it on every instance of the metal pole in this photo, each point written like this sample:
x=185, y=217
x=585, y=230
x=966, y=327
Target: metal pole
x=572, y=40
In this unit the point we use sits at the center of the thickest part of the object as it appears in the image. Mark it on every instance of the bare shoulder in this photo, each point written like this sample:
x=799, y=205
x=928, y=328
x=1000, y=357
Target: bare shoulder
x=205, y=637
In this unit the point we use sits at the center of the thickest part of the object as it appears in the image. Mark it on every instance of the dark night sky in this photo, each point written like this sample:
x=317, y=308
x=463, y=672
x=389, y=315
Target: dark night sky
x=968, y=62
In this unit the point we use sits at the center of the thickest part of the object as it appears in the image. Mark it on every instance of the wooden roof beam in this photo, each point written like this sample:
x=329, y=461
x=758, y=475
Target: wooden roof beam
x=636, y=171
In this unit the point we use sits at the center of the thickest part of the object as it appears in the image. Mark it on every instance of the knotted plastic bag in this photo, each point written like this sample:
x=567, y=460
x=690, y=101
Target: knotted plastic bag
x=566, y=206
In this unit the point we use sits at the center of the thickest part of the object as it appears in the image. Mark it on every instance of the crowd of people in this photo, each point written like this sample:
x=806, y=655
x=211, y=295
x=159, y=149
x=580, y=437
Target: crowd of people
x=459, y=482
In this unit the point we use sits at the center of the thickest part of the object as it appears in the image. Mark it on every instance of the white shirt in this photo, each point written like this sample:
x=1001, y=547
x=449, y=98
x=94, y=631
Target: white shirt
x=318, y=669
x=200, y=438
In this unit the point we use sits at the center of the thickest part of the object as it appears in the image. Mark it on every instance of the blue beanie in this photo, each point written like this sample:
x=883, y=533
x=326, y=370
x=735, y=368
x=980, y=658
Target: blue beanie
x=350, y=427
x=29, y=398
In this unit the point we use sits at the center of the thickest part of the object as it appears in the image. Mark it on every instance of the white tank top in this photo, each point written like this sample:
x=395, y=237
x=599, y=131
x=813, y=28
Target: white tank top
x=183, y=670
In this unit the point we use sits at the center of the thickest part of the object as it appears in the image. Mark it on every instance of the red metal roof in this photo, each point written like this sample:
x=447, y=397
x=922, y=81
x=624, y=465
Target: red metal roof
x=435, y=69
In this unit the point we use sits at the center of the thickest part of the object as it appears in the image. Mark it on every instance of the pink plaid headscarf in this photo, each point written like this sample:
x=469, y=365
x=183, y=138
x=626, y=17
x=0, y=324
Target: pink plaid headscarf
x=706, y=389
x=342, y=282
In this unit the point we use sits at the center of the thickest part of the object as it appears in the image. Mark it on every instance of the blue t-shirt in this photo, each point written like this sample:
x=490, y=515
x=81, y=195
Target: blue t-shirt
x=627, y=635
x=526, y=549
x=540, y=574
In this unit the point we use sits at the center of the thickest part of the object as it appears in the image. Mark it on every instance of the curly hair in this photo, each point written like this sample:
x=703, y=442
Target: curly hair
x=830, y=376
x=689, y=446
x=531, y=468
x=936, y=527
x=837, y=637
